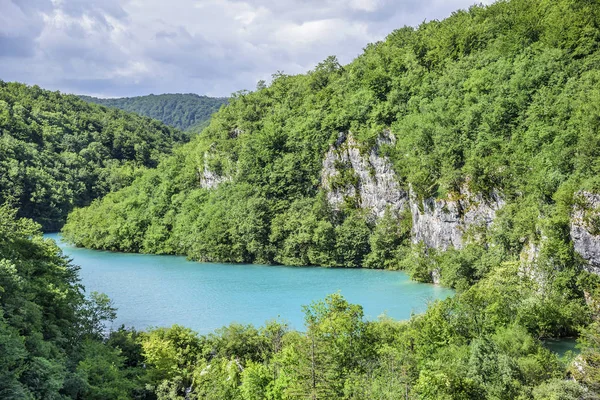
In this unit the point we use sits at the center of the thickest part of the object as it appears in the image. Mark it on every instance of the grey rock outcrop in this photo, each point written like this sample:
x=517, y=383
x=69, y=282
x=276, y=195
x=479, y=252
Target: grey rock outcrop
x=585, y=239
x=210, y=179
x=529, y=259
x=442, y=223
x=369, y=180
x=436, y=276
x=373, y=183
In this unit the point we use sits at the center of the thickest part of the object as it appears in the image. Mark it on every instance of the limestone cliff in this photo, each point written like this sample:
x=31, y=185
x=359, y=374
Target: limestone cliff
x=584, y=230
x=210, y=179
x=368, y=179
x=442, y=223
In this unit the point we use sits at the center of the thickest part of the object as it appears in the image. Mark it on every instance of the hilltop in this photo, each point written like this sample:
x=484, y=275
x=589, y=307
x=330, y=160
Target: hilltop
x=183, y=111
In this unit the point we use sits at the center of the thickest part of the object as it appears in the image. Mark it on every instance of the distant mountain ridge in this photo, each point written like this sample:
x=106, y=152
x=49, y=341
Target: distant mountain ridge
x=187, y=111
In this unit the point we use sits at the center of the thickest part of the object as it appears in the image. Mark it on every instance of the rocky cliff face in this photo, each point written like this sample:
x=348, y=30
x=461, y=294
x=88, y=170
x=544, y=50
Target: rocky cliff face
x=370, y=180
x=586, y=238
x=442, y=223
x=584, y=234
x=367, y=179
x=211, y=179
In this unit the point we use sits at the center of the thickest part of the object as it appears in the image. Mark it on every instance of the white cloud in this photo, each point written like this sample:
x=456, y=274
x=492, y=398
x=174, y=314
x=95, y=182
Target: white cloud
x=215, y=47
x=365, y=5
x=324, y=31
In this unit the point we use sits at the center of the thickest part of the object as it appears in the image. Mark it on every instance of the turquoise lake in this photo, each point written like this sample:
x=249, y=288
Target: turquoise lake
x=151, y=290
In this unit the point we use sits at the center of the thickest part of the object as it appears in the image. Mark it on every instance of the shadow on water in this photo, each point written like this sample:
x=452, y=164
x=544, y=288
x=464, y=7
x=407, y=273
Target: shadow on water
x=561, y=346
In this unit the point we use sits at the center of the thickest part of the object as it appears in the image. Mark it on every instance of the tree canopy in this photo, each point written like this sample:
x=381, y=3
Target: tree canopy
x=58, y=152
x=183, y=111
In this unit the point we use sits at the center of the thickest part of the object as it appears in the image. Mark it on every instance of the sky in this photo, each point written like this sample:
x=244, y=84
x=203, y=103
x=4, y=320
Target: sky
x=115, y=48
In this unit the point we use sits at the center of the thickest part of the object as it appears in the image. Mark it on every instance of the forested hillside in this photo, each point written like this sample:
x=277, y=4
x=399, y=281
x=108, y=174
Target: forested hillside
x=182, y=111
x=50, y=335
x=465, y=152
x=493, y=110
x=58, y=152
x=481, y=344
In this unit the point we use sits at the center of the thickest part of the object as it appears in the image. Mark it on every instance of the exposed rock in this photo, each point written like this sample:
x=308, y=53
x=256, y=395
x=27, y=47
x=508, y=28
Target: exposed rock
x=210, y=179
x=441, y=223
x=370, y=179
x=593, y=303
x=436, y=276
x=528, y=265
x=234, y=133
x=530, y=253
x=585, y=238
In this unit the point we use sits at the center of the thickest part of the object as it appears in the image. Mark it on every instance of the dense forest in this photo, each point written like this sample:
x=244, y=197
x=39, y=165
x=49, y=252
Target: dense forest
x=493, y=102
x=58, y=152
x=496, y=105
x=481, y=344
x=182, y=111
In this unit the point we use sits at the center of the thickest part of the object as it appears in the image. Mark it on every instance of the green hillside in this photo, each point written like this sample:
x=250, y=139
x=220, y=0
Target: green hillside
x=465, y=151
x=497, y=101
x=182, y=111
x=58, y=152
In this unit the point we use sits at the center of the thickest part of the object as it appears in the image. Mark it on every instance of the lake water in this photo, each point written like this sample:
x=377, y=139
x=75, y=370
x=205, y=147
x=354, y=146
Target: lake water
x=151, y=290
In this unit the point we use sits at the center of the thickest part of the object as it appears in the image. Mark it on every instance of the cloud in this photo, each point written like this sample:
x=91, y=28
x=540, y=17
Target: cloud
x=214, y=47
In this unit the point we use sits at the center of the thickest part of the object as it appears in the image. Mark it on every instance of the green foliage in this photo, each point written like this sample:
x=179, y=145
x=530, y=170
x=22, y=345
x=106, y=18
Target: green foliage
x=58, y=152
x=558, y=389
x=481, y=343
x=389, y=241
x=352, y=241
x=438, y=355
x=182, y=111
x=586, y=368
x=50, y=335
x=96, y=312
x=335, y=342
x=496, y=100
x=172, y=352
x=102, y=373
x=256, y=379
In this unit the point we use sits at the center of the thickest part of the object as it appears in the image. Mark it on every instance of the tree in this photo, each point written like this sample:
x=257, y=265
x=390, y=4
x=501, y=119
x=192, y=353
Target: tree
x=173, y=355
x=586, y=367
x=96, y=313
x=334, y=344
